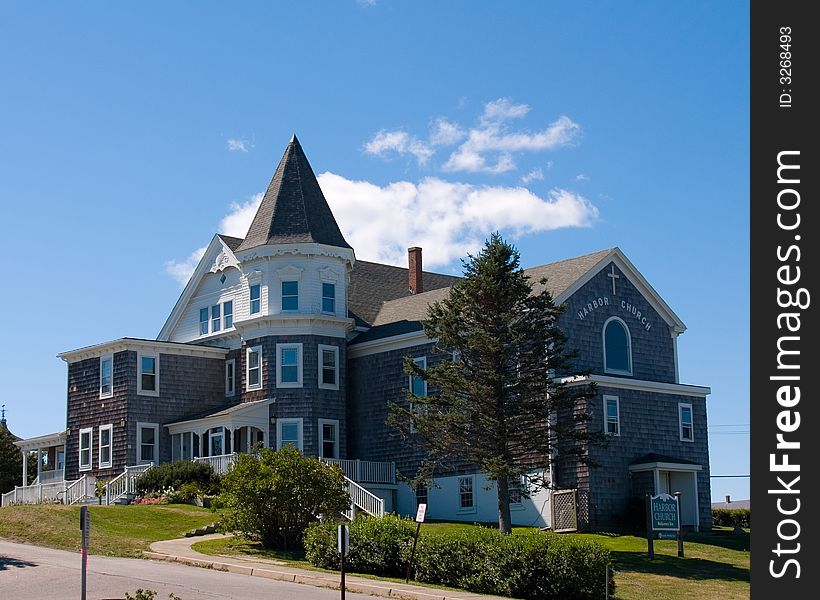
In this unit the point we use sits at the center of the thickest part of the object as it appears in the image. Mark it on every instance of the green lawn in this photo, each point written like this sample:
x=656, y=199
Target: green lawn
x=115, y=530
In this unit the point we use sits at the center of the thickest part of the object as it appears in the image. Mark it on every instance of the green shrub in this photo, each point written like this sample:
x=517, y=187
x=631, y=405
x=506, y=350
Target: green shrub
x=186, y=494
x=273, y=498
x=529, y=565
x=377, y=546
x=732, y=517
x=176, y=474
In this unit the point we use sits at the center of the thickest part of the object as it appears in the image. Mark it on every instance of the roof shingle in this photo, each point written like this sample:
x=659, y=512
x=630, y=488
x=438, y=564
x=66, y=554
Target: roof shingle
x=293, y=210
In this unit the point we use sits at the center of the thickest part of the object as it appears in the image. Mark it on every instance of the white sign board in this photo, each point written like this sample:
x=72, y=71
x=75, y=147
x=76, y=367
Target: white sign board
x=420, y=513
x=343, y=540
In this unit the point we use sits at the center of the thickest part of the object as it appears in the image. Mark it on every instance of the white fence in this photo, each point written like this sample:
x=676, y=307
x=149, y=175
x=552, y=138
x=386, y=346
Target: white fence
x=366, y=471
x=220, y=463
x=35, y=494
x=79, y=490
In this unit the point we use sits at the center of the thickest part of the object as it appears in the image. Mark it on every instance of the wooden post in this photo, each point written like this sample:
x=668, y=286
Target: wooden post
x=680, y=526
x=650, y=544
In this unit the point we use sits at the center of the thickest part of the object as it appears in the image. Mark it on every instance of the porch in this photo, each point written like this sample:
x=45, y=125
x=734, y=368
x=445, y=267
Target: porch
x=49, y=452
x=668, y=475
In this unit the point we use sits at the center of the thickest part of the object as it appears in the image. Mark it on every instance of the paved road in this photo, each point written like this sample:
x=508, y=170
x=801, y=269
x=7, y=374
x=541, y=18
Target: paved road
x=33, y=573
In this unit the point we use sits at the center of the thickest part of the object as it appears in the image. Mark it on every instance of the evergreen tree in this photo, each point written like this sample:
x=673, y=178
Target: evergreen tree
x=11, y=460
x=496, y=399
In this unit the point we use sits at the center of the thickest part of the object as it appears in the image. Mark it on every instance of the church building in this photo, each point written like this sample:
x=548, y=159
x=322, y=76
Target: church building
x=284, y=337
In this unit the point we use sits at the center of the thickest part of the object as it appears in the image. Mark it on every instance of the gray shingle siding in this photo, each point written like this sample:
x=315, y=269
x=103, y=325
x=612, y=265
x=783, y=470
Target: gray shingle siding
x=653, y=356
x=648, y=424
x=375, y=381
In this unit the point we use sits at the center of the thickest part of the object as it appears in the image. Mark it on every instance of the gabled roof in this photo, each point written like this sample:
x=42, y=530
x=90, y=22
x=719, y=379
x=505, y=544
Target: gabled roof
x=293, y=210
x=230, y=241
x=373, y=284
x=564, y=277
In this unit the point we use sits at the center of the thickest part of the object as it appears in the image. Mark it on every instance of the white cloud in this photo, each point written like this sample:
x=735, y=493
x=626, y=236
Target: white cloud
x=238, y=145
x=447, y=219
x=581, y=177
x=181, y=269
x=534, y=175
x=385, y=142
x=237, y=221
x=502, y=110
x=445, y=133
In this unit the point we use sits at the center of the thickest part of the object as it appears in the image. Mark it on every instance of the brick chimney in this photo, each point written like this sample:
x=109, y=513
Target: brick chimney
x=415, y=280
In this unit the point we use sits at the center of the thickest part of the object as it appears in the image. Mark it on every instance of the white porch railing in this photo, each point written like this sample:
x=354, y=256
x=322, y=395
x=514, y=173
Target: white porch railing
x=220, y=463
x=79, y=490
x=52, y=476
x=361, y=499
x=34, y=494
x=124, y=483
x=366, y=471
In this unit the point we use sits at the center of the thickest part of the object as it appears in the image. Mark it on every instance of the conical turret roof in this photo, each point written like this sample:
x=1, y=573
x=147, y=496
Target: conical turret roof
x=293, y=210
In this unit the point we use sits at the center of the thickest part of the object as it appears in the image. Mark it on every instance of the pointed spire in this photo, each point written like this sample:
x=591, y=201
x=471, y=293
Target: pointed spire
x=293, y=210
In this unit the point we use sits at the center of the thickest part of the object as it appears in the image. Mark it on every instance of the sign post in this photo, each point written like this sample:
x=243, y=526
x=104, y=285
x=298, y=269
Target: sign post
x=344, y=548
x=422, y=510
x=680, y=531
x=650, y=544
x=85, y=528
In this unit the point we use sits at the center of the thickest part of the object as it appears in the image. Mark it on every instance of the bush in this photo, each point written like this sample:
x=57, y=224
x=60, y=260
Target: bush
x=732, y=517
x=530, y=565
x=273, y=498
x=377, y=546
x=176, y=474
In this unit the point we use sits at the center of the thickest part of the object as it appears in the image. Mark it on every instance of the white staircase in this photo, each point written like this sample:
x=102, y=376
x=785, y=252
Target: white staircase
x=362, y=499
x=124, y=484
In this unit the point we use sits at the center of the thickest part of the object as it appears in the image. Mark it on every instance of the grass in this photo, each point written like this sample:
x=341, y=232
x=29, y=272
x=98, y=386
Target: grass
x=716, y=564
x=115, y=530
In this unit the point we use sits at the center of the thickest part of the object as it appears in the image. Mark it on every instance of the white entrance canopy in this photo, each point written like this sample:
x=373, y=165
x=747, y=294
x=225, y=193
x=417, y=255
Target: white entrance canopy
x=685, y=475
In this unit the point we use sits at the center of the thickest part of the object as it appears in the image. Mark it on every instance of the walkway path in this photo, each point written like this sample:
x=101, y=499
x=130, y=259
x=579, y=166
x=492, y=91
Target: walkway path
x=180, y=551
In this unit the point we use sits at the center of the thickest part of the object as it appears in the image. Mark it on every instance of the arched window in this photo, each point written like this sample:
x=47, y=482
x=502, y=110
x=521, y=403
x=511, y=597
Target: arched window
x=617, y=347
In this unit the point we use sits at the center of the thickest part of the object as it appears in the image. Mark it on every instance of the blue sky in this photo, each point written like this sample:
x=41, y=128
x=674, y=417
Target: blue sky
x=130, y=134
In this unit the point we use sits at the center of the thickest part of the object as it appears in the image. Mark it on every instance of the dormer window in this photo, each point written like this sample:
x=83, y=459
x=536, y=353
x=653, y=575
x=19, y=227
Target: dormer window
x=290, y=295
x=256, y=298
x=617, y=347
x=329, y=298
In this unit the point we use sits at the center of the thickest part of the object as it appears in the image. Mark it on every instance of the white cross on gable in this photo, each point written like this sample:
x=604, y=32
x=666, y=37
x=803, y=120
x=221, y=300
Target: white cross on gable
x=613, y=276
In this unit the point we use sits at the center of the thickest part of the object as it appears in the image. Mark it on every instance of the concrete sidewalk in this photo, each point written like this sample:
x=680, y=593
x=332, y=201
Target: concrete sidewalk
x=180, y=551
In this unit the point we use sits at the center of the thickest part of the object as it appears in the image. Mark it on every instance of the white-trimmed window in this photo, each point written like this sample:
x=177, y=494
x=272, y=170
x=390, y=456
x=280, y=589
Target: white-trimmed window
x=290, y=295
x=617, y=347
x=466, y=498
x=253, y=368
x=147, y=374
x=227, y=313
x=418, y=386
x=514, y=489
x=204, y=316
x=687, y=430
x=216, y=318
x=107, y=376
x=421, y=494
x=329, y=298
x=328, y=367
x=256, y=298
x=230, y=377
x=106, y=435
x=612, y=415
x=288, y=365
x=289, y=431
x=147, y=443
x=86, y=447
x=328, y=438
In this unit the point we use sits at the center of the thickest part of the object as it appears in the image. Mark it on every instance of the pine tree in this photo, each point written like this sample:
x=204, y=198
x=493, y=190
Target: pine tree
x=496, y=400
x=11, y=460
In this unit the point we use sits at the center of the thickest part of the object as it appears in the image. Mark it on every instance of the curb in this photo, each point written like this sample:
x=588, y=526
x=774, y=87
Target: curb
x=318, y=580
